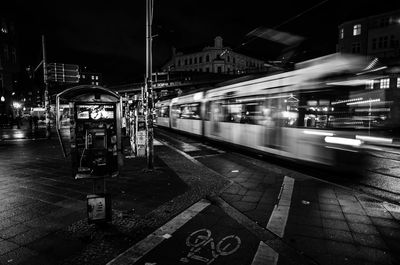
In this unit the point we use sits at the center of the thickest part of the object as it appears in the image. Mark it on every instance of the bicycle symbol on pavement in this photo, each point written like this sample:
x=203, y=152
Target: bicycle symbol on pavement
x=201, y=239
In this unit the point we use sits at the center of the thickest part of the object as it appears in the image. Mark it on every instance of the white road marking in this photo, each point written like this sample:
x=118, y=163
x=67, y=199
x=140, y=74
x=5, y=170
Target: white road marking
x=265, y=255
x=136, y=252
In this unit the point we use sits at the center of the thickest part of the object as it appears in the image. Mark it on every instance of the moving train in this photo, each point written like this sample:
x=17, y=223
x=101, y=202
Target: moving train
x=321, y=112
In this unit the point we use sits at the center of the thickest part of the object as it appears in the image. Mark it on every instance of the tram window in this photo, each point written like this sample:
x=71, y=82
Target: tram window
x=281, y=110
x=208, y=110
x=190, y=111
x=164, y=112
x=249, y=112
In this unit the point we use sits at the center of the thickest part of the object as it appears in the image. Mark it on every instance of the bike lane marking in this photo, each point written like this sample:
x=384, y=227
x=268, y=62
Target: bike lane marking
x=211, y=237
x=140, y=249
x=277, y=222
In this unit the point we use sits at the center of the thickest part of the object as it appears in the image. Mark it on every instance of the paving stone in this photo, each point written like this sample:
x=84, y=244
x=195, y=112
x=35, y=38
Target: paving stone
x=313, y=246
x=18, y=255
x=7, y=246
x=29, y=236
x=338, y=235
x=373, y=255
x=356, y=218
x=373, y=212
x=13, y=231
x=332, y=215
x=391, y=223
x=231, y=197
x=353, y=208
x=303, y=220
x=341, y=248
x=335, y=224
x=389, y=232
x=329, y=207
x=250, y=198
x=363, y=228
x=304, y=230
x=331, y=201
x=373, y=241
x=244, y=206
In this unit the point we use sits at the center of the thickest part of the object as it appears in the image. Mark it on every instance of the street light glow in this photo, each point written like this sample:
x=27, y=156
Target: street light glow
x=16, y=105
x=2, y=99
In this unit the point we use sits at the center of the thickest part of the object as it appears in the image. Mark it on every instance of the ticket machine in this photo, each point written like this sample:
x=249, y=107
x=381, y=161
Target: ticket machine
x=94, y=135
x=94, y=130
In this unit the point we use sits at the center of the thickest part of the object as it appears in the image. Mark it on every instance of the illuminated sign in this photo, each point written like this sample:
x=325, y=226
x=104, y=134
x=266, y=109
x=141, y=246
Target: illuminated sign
x=95, y=112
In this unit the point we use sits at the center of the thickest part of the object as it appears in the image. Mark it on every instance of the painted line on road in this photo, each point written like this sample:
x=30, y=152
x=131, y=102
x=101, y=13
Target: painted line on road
x=136, y=252
x=265, y=255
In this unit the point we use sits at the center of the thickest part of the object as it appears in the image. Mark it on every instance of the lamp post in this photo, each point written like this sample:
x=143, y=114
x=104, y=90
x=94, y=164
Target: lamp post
x=46, y=91
x=148, y=91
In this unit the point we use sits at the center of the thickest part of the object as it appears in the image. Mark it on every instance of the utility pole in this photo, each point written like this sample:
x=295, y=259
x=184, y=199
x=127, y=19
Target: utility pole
x=148, y=96
x=46, y=91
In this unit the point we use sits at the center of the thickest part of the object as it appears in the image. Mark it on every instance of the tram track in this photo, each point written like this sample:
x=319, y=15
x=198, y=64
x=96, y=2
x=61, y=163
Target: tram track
x=362, y=184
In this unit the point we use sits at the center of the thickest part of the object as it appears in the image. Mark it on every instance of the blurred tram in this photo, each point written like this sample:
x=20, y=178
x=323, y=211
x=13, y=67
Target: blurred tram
x=321, y=112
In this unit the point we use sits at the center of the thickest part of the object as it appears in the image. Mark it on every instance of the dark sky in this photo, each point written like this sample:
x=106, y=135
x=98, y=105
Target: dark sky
x=110, y=37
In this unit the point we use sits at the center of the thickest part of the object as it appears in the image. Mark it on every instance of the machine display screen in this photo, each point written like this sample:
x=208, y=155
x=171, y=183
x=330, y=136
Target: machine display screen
x=95, y=112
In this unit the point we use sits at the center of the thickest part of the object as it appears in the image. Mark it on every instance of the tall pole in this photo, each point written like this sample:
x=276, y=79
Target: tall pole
x=148, y=86
x=46, y=91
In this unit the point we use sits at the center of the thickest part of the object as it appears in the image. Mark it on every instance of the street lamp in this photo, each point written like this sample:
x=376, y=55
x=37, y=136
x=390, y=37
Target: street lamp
x=2, y=99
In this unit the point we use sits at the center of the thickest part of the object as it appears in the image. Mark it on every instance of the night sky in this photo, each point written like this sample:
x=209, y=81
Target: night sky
x=110, y=38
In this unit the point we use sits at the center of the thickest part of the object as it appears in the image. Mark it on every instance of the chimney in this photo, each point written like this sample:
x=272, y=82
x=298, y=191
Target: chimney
x=218, y=42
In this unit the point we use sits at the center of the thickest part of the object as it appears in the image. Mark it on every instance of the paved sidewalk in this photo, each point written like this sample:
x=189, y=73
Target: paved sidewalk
x=43, y=210
x=328, y=223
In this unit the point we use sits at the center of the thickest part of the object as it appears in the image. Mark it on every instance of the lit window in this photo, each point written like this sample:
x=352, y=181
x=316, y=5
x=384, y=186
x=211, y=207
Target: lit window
x=83, y=76
x=370, y=84
x=92, y=77
x=356, y=29
x=4, y=27
x=97, y=83
x=398, y=82
x=97, y=78
x=341, y=34
x=384, y=83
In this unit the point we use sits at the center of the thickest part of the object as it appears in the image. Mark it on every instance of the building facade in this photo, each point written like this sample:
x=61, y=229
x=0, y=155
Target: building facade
x=9, y=66
x=376, y=36
x=87, y=77
x=215, y=59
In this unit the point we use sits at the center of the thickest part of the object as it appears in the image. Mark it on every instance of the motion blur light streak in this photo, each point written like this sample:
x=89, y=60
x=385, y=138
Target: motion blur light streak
x=364, y=102
x=343, y=141
x=318, y=133
x=374, y=139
